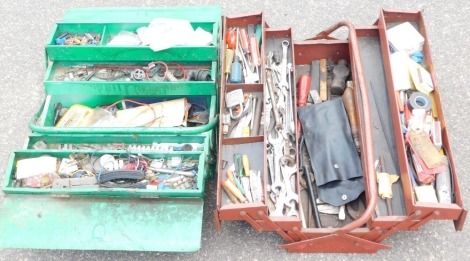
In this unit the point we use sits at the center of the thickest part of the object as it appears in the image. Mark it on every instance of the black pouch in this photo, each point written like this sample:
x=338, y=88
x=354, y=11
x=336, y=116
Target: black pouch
x=335, y=162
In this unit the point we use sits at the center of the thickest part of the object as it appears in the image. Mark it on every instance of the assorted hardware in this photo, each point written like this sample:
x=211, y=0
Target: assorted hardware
x=78, y=39
x=41, y=145
x=110, y=171
x=243, y=114
x=172, y=113
x=427, y=160
x=155, y=71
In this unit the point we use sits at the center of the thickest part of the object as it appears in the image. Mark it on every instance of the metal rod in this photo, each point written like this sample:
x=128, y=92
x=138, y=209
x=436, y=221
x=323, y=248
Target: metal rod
x=170, y=171
x=311, y=194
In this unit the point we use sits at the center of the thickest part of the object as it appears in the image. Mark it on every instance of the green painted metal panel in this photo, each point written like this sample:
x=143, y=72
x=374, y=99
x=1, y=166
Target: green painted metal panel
x=125, y=139
x=125, y=88
x=136, y=53
x=89, y=223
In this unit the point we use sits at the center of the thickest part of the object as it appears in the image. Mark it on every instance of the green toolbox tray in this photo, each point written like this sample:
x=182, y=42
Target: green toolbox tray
x=30, y=215
x=55, y=84
x=43, y=122
x=123, y=143
x=110, y=21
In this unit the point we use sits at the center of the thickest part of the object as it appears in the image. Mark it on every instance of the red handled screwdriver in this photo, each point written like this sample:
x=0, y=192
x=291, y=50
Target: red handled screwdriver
x=303, y=88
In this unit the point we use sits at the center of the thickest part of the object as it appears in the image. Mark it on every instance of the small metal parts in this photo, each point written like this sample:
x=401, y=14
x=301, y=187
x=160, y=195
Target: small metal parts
x=138, y=75
x=134, y=113
x=144, y=147
x=78, y=39
x=243, y=114
x=155, y=71
x=108, y=171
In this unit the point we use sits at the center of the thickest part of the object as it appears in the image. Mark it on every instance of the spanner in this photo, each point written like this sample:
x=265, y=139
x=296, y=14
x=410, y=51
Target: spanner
x=278, y=188
x=279, y=207
x=283, y=80
x=277, y=185
x=272, y=96
x=291, y=124
x=289, y=147
x=270, y=158
x=288, y=168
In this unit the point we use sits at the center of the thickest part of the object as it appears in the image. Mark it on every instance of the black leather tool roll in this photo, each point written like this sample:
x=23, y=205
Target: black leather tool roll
x=335, y=162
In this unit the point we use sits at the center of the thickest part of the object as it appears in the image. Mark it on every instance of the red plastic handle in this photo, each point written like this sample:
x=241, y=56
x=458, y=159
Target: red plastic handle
x=303, y=88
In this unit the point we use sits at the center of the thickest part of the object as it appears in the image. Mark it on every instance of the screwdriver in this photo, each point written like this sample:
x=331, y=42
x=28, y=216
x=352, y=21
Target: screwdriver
x=303, y=88
x=236, y=70
x=230, y=39
x=244, y=41
x=254, y=50
x=246, y=165
x=230, y=52
x=258, y=33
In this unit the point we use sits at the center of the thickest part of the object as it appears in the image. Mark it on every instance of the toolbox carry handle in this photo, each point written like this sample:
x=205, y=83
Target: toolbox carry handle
x=124, y=130
x=366, y=139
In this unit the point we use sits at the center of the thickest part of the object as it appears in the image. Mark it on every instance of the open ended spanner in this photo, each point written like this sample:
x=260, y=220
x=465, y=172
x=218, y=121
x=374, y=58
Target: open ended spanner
x=288, y=168
x=276, y=143
x=270, y=85
x=283, y=79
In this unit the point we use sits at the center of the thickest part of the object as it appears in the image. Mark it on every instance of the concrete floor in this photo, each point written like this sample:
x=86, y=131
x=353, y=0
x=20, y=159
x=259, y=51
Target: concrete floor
x=26, y=25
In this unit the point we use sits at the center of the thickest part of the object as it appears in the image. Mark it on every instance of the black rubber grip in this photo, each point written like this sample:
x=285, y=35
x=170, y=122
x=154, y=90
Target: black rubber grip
x=121, y=174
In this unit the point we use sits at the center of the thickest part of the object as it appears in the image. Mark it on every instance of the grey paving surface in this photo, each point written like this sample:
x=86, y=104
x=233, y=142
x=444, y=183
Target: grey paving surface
x=25, y=25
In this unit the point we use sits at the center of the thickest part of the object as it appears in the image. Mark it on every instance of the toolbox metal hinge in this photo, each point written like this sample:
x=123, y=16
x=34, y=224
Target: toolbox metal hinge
x=251, y=221
x=298, y=233
x=275, y=227
x=216, y=220
x=458, y=224
x=423, y=221
x=403, y=225
x=339, y=242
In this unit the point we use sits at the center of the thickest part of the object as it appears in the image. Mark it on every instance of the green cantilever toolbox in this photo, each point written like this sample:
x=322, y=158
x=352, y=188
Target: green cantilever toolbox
x=87, y=207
